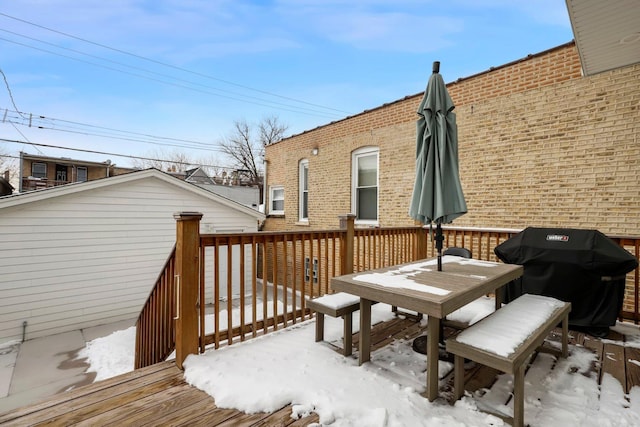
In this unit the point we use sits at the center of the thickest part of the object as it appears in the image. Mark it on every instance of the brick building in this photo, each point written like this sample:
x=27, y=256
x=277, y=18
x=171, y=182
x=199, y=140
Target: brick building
x=539, y=144
x=37, y=172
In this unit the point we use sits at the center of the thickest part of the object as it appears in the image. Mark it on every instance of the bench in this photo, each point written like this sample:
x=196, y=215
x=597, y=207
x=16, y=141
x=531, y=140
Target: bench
x=340, y=304
x=505, y=339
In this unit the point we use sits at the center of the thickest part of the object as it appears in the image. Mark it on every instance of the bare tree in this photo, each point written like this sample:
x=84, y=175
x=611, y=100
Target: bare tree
x=245, y=150
x=175, y=161
x=271, y=130
x=9, y=163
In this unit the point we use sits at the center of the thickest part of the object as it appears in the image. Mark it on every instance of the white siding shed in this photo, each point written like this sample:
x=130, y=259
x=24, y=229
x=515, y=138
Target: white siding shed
x=86, y=254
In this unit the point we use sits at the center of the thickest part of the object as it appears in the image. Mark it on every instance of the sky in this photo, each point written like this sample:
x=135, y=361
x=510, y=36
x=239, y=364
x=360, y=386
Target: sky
x=151, y=78
x=384, y=392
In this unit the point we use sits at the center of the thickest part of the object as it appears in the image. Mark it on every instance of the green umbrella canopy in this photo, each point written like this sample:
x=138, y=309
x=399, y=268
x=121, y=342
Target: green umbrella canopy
x=437, y=192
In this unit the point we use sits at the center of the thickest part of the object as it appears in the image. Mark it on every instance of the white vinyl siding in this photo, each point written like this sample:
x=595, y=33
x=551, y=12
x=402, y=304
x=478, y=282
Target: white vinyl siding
x=91, y=257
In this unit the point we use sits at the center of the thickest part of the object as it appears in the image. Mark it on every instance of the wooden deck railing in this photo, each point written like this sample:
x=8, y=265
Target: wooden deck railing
x=253, y=283
x=155, y=328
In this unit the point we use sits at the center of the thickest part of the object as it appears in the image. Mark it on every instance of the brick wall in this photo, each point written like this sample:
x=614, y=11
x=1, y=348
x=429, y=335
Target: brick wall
x=539, y=145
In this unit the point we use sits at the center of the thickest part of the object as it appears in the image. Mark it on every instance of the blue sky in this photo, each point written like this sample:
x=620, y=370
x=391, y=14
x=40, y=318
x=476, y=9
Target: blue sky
x=157, y=73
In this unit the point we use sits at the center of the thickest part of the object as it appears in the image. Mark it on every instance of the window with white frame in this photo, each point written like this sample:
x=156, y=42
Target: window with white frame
x=39, y=170
x=303, y=179
x=82, y=174
x=365, y=185
x=276, y=194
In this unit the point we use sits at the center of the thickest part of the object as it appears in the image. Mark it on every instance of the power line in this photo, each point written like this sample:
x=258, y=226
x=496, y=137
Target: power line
x=249, y=99
x=44, y=123
x=6, y=83
x=13, y=102
x=49, y=123
x=171, y=66
x=111, y=154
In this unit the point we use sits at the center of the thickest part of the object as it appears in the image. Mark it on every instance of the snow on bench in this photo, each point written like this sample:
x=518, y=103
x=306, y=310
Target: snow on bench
x=340, y=304
x=505, y=339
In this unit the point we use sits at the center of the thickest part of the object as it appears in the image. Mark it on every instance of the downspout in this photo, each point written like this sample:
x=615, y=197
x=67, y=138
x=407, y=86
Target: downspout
x=21, y=172
x=264, y=187
x=264, y=193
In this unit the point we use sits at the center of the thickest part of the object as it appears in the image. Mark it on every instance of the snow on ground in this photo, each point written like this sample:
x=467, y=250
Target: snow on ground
x=289, y=367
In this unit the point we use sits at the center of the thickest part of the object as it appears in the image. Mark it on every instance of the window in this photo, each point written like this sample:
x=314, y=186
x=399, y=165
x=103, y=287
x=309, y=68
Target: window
x=365, y=185
x=277, y=200
x=39, y=170
x=82, y=174
x=303, y=178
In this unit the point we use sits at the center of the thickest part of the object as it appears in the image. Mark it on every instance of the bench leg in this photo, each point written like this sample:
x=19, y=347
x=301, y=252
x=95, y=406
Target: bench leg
x=458, y=377
x=565, y=336
x=518, y=396
x=347, y=319
x=319, y=326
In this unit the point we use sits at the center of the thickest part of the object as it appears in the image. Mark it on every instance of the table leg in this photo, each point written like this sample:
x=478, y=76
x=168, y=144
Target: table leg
x=433, y=338
x=499, y=293
x=365, y=331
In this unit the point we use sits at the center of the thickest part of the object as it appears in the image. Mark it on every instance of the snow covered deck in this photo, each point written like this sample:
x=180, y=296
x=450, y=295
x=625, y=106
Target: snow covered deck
x=158, y=394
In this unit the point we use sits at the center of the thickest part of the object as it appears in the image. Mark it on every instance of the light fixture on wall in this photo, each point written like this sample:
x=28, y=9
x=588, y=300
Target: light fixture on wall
x=314, y=151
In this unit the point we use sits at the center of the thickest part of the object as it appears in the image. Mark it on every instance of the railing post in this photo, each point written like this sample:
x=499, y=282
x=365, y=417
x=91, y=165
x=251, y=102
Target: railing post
x=186, y=282
x=347, y=221
x=422, y=243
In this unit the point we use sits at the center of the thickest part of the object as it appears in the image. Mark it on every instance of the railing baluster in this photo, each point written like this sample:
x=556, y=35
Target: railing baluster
x=285, y=287
x=229, y=251
x=216, y=292
x=242, y=289
x=254, y=285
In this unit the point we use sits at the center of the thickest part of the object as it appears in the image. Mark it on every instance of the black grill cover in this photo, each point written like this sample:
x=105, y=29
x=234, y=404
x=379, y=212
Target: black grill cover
x=583, y=267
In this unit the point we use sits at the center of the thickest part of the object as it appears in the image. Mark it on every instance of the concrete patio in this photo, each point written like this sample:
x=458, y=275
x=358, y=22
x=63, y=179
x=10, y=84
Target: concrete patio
x=41, y=367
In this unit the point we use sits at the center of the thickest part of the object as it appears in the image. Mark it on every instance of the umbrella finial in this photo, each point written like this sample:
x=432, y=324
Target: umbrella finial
x=436, y=66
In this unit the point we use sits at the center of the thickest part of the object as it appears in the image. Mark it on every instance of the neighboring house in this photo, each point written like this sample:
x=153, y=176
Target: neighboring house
x=198, y=176
x=38, y=172
x=87, y=254
x=540, y=144
x=243, y=194
x=247, y=196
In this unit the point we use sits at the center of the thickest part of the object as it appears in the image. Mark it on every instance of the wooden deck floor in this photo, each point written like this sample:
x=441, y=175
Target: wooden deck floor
x=158, y=395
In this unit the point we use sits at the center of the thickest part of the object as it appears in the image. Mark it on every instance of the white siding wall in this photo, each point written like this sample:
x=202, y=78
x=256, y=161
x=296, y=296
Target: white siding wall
x=91, y=257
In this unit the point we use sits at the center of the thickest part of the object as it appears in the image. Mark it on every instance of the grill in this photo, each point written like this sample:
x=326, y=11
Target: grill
x=583, y=267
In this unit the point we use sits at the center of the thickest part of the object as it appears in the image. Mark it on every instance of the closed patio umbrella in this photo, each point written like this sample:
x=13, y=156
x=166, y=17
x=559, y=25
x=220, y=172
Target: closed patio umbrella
x=437, y=192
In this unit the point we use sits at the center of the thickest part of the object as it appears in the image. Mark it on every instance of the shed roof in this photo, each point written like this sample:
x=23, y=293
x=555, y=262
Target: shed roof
x=81, y=187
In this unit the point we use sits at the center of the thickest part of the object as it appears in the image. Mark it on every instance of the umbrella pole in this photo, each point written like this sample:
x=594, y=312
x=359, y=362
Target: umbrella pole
x=439, y=239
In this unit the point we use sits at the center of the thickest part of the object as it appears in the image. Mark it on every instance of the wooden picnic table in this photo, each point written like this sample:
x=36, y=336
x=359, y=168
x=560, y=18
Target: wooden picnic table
x=418, y=286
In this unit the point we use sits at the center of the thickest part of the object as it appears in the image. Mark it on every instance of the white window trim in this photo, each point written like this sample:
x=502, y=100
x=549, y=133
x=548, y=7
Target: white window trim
x=363, y=151
x=39, y=164
x=272, y=189
x=304, y=164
